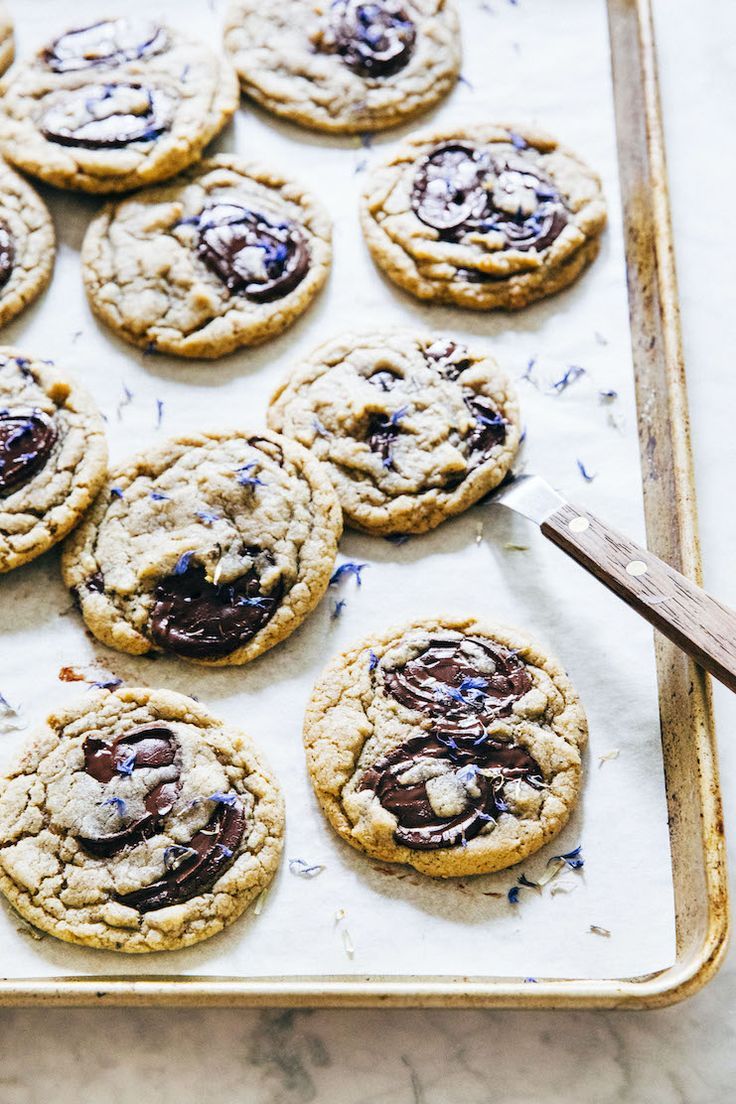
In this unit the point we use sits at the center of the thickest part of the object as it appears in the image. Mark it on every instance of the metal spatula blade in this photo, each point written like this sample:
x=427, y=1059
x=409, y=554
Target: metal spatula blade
x=529, y=495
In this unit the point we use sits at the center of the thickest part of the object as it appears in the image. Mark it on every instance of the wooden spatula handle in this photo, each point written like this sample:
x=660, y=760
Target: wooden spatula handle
x=680, y=609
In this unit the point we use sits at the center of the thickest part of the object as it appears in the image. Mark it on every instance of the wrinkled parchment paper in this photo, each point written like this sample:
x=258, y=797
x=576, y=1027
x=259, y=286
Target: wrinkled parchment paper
x=543, y=61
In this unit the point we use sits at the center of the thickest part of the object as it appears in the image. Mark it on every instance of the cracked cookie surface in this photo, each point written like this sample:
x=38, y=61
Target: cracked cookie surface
x=414, y=429
x=53, y=456
x=450, y=745
x=7, y=39
x=27, y=244
x=484, y=217
x=345, y=66
x=114, y=106
x=228, y=255
x=136, y=821
x=213, y=547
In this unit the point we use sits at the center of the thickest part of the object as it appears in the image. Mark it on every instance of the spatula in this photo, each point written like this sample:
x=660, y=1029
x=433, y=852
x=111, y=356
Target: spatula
x=682, y=611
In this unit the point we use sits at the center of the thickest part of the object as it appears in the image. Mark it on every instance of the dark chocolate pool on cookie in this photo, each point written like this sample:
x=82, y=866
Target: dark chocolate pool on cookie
x=436, y=681
x=104, y=44
x=191, y=868
x=454, y=189
x=252, y=254
x=107, y=116
x=27, y=437
x=462, y=685
x=419, y=826
x=154, y=746
x=195, y=867
x=373, y=39
x=195, y=618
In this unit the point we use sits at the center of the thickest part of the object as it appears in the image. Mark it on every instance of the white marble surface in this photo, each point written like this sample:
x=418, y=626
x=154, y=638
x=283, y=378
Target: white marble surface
x=683, y=1054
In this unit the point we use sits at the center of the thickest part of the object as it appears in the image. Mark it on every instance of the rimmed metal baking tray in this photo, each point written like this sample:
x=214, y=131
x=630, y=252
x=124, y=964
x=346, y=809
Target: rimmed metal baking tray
x=688, y=740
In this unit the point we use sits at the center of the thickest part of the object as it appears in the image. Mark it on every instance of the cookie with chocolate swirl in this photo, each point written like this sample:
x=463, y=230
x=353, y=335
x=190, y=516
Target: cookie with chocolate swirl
x=212, y=547
x=53, y=456
x=114, y=105
x=488, y=217
x=413, y=428
x=450, y=745
x=345, y=65
x=227, y=255
x=136, y=821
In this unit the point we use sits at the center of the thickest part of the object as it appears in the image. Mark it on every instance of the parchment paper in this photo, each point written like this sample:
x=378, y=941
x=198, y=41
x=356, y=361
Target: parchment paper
x=544, y=61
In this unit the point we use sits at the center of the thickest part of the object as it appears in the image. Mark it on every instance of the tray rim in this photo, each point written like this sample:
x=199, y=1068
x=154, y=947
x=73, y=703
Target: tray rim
x=700, y=950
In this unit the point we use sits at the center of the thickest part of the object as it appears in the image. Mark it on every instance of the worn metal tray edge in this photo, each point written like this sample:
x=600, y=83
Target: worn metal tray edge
x=688, y=737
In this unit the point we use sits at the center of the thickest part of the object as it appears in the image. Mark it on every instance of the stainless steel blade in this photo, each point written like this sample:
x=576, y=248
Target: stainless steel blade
x=528, y=495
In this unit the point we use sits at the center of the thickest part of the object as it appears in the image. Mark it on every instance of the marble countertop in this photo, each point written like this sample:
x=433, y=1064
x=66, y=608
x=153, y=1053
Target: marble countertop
x=683, y=1054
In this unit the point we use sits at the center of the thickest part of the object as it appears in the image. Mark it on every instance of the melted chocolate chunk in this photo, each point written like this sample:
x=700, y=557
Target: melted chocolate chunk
x=382, y=432
x=208, y=853
x=461, y=188
x=449, y=357
x=192, y=617
x=487, y=433
x=107, y=116
x=407, y=798
x=490, y=427
x=465, y=683
x=104, y=44
x=373, y=39
x=27, y=437
x=449, y=190
x=151, y=746
x=7, y=253
x=252, y=254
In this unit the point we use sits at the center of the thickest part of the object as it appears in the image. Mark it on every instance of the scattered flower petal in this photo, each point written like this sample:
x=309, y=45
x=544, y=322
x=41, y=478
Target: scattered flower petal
x=302, y=869
x=587, y=476
x=350, y=567
x=573, y=373
x=220, y=798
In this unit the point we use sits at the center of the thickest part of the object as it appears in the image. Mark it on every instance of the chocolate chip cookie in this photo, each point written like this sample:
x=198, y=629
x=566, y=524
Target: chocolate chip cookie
x=114, y=106
x=27, y=244
x=414, y=429
x=484, y=217
x=345, y=66
x=227, y=255
x=136, y=821
x=7, y=39
x=53, y=456
x=450, y=745
x=213, y=547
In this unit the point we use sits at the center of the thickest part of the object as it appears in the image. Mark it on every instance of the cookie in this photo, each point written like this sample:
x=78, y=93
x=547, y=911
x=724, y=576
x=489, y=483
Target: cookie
x=136, y=821
x=53, y=456
x=7, y=39
x=414, y=429
x=345, y=66
x=27, y=244
x=483, y=217
x=450, y=745
x=213, y=547
x=114, y=106
x=229, y=254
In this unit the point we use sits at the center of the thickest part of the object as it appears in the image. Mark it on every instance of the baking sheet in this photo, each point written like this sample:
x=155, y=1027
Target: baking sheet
x=545, y=61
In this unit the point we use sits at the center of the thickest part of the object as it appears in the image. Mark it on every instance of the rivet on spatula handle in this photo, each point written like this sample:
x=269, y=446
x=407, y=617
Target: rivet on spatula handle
x=677, y=607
